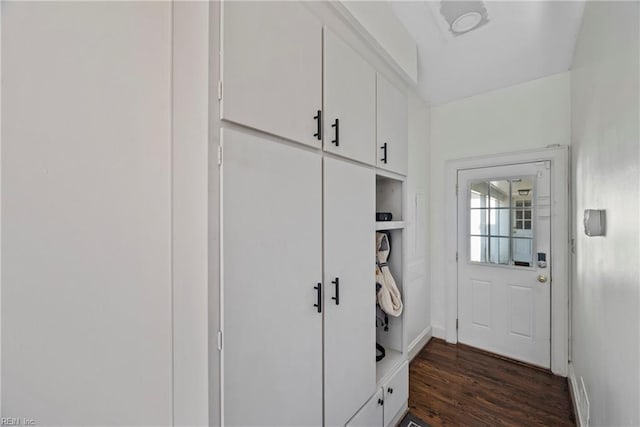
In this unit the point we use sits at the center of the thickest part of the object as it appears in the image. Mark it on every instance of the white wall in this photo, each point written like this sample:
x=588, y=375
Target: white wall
x=527, y=116
x=418, y=304
x=86, y=213
x=606, y=279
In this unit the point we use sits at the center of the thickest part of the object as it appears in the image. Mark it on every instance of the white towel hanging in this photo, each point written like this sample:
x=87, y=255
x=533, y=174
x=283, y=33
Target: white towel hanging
x=389, y=297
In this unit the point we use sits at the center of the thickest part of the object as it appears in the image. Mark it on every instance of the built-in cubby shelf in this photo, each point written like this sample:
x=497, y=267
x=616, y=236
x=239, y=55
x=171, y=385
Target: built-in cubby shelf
x=389, y=225
x=391, y=361
x=390, y=199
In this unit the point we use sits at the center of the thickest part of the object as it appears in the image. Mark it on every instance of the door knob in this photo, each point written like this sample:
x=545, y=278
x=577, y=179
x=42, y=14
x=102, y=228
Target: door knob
x=542, y=278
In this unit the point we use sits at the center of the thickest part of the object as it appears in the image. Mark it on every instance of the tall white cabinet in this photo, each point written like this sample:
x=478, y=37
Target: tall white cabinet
x=272, y=265
x=349, y=199
x=300, y=187
x=274, y=297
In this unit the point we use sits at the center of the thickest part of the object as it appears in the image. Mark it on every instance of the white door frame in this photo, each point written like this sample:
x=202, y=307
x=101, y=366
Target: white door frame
x=560, y=238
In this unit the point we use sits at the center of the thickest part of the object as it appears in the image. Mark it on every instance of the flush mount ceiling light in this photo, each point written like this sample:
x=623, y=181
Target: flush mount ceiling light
x=466, y=22
x=463, y=16
x=524, y=192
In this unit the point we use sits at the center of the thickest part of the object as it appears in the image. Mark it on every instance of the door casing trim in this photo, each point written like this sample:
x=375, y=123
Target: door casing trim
x=560, y=242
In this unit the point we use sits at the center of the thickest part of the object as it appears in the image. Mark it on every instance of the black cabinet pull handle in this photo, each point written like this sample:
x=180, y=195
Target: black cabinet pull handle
x=337, y=297
x=380, y=402
x=336, y=125
x=390, y=390
x=318, y=289
x=384, y=157
x=318, y=119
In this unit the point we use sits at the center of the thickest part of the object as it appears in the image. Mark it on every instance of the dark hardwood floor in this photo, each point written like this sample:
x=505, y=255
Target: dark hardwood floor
x=456, y=385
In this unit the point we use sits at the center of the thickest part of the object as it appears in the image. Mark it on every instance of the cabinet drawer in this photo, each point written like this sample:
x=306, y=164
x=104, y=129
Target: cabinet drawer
x=371, y=414
x=396, y=393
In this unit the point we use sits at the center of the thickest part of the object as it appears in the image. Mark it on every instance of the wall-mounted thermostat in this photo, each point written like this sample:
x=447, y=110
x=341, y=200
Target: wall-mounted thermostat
x=594, y=222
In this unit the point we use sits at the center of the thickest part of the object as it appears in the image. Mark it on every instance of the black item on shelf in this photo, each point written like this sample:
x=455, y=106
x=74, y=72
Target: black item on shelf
x=380, y=352
x=383, y=216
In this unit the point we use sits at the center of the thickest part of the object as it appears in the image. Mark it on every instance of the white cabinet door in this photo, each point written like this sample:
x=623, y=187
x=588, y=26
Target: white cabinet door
x=349, y=101
x=272, y=68
x=272, y=259
x=396, y=394
x=392, y=129
x=371, y=414
x=349, y=323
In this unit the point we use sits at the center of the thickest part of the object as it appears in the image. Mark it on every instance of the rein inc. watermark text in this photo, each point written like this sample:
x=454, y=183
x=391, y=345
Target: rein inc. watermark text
x=17, y=421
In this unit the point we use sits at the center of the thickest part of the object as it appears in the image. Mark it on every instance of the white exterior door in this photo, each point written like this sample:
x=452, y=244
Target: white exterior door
x=349, y=300
x=504, y=262
x=349, y=101
x=272, y=68
x=272, y=246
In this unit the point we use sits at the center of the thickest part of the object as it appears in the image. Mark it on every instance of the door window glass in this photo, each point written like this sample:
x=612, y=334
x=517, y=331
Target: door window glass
x=501, y=221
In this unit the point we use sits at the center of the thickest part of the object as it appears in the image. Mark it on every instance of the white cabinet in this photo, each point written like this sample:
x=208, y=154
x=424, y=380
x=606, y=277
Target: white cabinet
x=298, y=225
x=371, y=414
x=273, y=208
x=349, y=101
x=392, y=127
x=396, y=394
x=272, y=260
x=388, y=405
x=272, y=68
x=349, y=300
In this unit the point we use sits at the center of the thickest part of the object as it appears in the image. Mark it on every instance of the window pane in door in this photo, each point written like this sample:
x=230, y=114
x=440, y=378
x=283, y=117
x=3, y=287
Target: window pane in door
x=479, y=196
x=478, y=222
x=499, y=250
x=478, y=248
x=522, y=252
x=499, y=192
x=499, y=222
x=522, y=192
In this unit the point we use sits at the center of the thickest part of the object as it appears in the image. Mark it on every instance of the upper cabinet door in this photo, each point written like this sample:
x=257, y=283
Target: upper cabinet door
x=349, y=101
x=393, y=125
x=349, y=328
x=272, y=68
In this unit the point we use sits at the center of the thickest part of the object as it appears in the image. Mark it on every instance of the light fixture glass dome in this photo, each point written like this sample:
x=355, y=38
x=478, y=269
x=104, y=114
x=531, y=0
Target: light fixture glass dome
x=466, y=22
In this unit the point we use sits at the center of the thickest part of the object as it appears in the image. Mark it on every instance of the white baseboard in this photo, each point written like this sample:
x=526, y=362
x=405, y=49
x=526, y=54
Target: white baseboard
x=580, y=408
x=438, y=332
x=418, y=343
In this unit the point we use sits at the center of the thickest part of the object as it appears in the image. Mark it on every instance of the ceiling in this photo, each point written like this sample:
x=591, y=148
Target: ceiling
x=523, y=40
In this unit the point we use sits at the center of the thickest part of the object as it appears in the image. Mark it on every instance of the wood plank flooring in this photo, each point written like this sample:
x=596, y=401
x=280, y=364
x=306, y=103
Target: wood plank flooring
x=456, y=385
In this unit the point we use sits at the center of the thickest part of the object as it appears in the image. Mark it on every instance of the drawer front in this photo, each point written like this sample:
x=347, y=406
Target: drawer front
x=371, y=414
x=396, y=393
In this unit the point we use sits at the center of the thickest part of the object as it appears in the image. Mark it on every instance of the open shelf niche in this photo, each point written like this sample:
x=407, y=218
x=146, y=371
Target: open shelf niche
x=390, y=198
